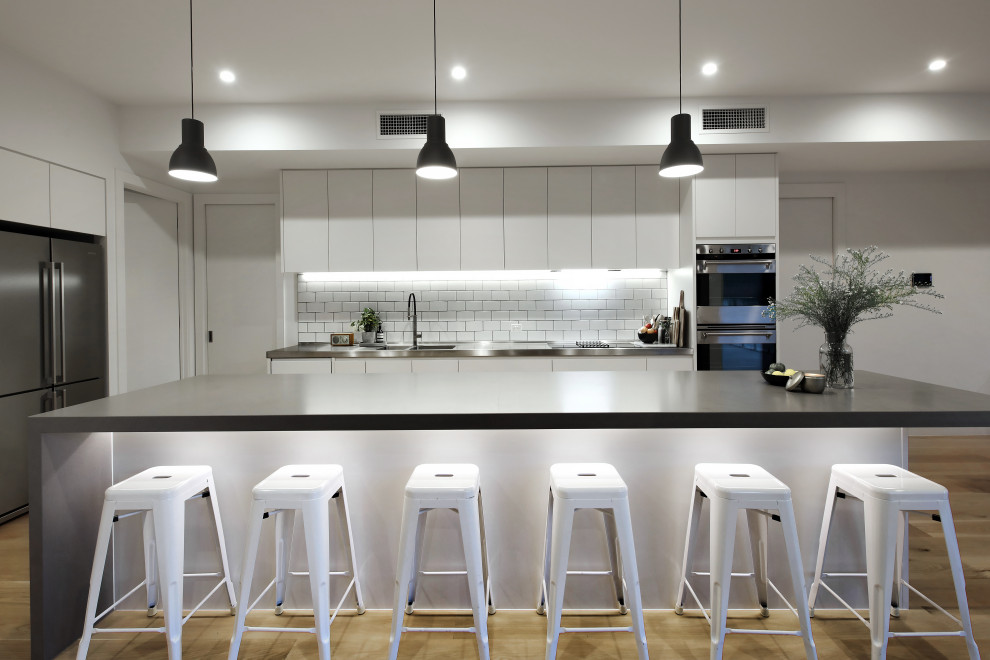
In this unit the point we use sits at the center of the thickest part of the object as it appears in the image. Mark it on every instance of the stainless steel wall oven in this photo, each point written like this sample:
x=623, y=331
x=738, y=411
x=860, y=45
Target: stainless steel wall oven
x=734, y=283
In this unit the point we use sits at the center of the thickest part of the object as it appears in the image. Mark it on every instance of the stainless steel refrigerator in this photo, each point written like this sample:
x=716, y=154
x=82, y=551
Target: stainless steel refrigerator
x=52, y=342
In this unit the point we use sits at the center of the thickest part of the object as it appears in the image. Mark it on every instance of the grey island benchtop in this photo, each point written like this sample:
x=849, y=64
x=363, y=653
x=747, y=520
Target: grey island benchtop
x=475, y=349
x=568, y=400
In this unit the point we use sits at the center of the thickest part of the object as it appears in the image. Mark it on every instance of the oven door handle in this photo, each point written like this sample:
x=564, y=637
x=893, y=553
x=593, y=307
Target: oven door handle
x=741, y=262
x=736, y=333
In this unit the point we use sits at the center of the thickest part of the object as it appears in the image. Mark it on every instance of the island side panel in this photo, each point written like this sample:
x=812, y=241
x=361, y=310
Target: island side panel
x=69, y=473
x=657, y=465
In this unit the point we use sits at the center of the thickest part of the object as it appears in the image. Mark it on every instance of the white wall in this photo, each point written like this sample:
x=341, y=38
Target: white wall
x=929, y=222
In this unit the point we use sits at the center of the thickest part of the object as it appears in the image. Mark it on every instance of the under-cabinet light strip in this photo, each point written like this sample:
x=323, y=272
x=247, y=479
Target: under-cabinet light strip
x=498, y=275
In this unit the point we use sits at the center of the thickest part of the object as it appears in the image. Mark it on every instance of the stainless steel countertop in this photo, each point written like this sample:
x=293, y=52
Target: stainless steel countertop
x=476, y=349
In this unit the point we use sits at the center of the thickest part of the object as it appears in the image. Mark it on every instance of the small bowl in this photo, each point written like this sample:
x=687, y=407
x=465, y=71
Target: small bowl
x=774, y=380
x=814, y=383
x=647, y=337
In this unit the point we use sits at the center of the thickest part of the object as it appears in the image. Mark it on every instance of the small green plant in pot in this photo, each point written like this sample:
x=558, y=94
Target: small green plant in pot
x=368, y=322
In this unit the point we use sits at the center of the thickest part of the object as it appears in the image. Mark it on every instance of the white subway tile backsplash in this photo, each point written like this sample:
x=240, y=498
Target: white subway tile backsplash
x=611, y=309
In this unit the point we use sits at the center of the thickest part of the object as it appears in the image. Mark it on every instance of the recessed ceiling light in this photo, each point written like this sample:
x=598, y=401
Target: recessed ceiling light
x=709, y=69
x=227, y=76
x=458, y=73
x=936, y=65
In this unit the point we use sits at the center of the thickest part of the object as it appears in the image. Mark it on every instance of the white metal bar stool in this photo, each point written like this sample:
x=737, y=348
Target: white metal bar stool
x=443, y=486
x=159, y=495
x=731, y=488
x=888, y=494
x=310, y=489
x=598, y=486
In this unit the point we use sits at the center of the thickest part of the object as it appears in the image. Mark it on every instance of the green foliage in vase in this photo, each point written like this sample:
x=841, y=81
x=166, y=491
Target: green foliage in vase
x=848, y=290
x=369, y=320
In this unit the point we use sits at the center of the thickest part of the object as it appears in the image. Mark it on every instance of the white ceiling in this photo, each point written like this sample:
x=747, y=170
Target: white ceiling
x=135, y=52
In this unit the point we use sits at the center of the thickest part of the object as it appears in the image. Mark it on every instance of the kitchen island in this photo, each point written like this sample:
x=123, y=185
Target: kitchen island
x=652, y=426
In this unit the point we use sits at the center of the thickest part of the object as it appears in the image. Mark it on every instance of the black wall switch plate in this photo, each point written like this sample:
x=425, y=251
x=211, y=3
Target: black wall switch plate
x=921, y=279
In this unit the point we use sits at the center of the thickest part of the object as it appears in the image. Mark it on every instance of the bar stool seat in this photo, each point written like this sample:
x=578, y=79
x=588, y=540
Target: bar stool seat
x=159, y=495
x=575, y=486
x=443, y=486
x=889, y=493
x=730, y=488
x=309, y=489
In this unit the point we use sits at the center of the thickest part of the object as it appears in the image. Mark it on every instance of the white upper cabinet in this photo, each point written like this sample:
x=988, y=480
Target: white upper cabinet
x=569, y=217
x=736, y=196
x=24, y=190
x=351, y=231
x=438, y=224
x=657, y=219
x=78, y=201
x=394, y=211
x=525, y=201
x=305, y=221
x=482, y=234
x=613, y=217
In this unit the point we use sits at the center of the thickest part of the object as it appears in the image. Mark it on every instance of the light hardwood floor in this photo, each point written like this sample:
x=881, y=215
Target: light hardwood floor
x=961, y=464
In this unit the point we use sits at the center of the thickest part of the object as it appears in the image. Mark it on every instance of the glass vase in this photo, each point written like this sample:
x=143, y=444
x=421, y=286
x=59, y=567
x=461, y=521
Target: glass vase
x=835, y=359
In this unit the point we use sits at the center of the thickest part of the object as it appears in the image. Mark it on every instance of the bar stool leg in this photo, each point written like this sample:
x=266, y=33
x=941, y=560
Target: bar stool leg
x=955, y=563
x=349, y=545
x=830, y=496
x=560, y=543
x=722, y=544
x=96, y=577
x=471, y=540
x=630, y=572
x=417, y=558
x=757, y=523
x=169, y=522
x=150, y=562
x=611, y=535
x=881, y=529
x=789, y=526
x=694, y=516
x=403, y=572
x=895, y=594
x=247, y=575
x=489, y=598
x=316, y=525
x=222, y=545
x=284, y=524
x=541, y=608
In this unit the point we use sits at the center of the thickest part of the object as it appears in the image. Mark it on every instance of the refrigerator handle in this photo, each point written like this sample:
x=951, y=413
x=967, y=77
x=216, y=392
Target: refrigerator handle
x=65, y=397
x=60, y=267
x=50, y=268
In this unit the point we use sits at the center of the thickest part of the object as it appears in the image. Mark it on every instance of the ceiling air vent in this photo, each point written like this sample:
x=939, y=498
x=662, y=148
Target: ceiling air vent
x=734, y=120
x=401, y=125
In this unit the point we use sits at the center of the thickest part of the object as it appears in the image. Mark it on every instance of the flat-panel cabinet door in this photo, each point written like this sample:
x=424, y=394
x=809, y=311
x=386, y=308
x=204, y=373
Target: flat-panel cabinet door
x=482, y=235
x=756, y=195
x=302, y=366
x=525, y=211
x=715, y=197
x=657, y=219
x=569, y=217
x=24, y=190
x=78, y=201
x=305, y=221
x=352, y=235
x=613, y=217
x=394, y=213
x=348, y=366
x=388, y=366
x=438, y=224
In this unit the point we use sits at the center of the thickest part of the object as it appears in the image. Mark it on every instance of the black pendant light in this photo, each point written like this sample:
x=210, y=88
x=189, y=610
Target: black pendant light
x=682, y=156
x=436, y=160
x=191, y=161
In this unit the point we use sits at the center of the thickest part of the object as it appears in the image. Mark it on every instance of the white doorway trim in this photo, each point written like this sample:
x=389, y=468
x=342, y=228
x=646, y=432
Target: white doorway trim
x=285, y=282
x=837, y=191
x=117, y=286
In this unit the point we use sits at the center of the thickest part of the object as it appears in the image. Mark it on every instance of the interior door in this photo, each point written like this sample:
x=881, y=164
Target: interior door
x=805, y=229
x=242, y=243
x=151, y=280
x=82, y=330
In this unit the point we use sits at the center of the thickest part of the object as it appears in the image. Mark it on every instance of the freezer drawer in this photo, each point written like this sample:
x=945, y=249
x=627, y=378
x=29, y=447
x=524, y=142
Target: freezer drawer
x=23, y=278
x=14, y=413
x=76, y=393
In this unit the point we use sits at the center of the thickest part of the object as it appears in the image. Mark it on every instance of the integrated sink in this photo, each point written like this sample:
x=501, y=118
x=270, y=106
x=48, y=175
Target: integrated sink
x=410, y=347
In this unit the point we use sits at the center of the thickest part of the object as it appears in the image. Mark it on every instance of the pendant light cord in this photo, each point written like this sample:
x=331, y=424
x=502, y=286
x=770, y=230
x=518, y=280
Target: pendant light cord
x=434, y=56
x=680, y=62
x=192, y=86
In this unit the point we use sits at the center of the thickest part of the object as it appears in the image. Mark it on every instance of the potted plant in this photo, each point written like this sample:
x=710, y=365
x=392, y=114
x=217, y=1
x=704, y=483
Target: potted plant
x=368, y=323
x=847, y=291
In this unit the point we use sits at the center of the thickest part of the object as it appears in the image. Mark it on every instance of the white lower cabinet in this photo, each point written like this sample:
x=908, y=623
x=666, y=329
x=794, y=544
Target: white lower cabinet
x=435, y=366
x=600, y=364
x=670, y=363
x=387, y=366
x=506, y=364
x=348, y=366
x=302, y=366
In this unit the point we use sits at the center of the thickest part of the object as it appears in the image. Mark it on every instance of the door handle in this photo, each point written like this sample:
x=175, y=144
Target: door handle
x=60, y=267
x=736, y=333
x=740, y=262
x=52, y=343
